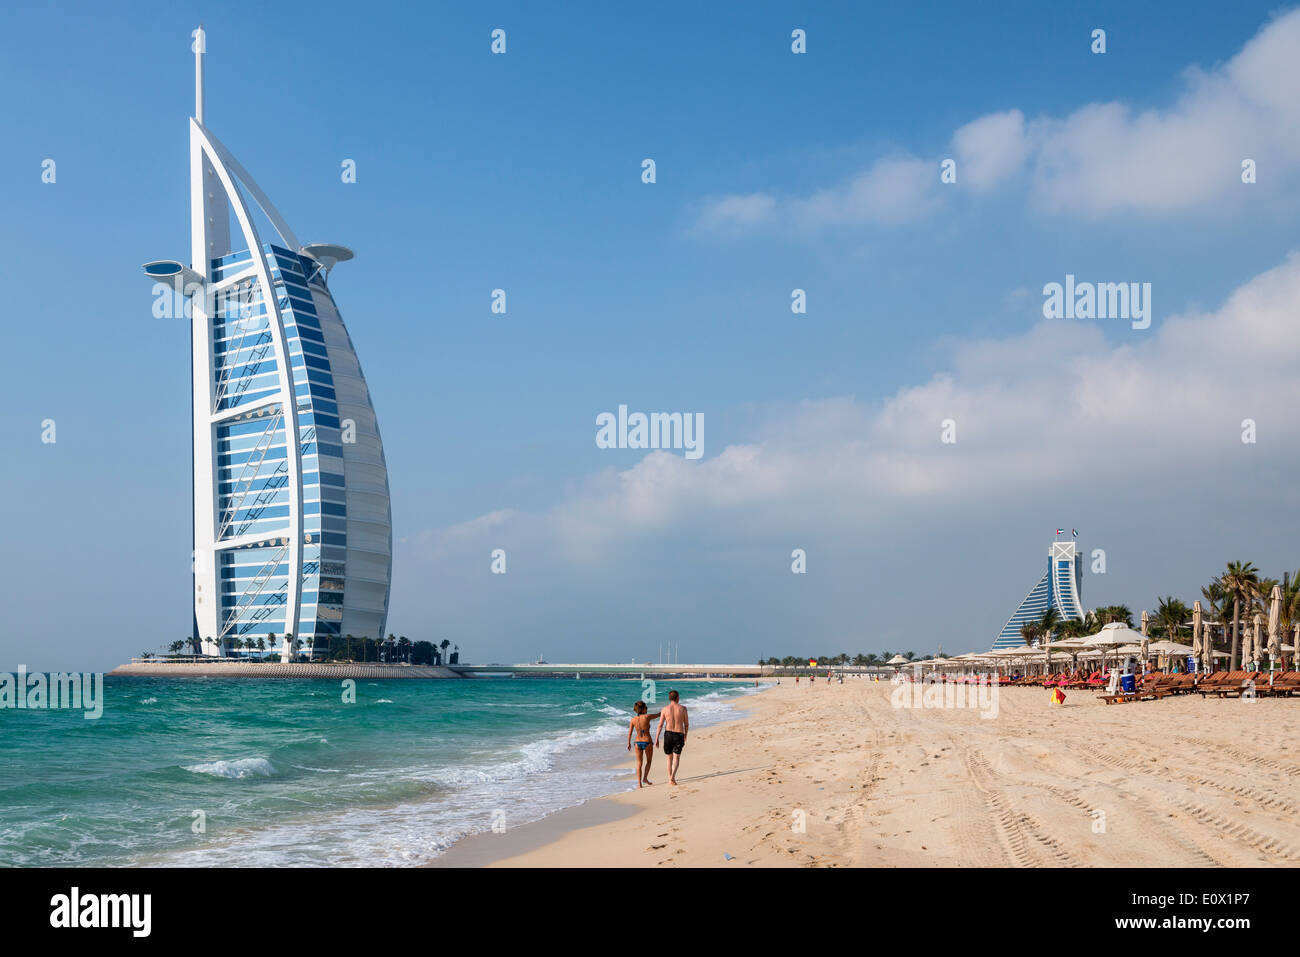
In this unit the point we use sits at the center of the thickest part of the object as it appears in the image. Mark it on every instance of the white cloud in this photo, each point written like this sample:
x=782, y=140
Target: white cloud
x=1101, y=159
x=733, y=213
x=446, y=540
x=991, y=149
x=889, y=191
x=1056, y=403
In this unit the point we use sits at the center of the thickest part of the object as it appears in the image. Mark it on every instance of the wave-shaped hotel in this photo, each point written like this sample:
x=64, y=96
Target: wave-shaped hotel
x=292, y=522
x=1061, y=587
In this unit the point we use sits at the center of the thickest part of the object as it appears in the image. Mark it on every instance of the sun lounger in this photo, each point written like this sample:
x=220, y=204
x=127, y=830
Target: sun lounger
x=1147, y=693
x=1287, y=684
x=1123, y=697
x=1181, y=684
x=1283, y=685
x=1219, y=679
x=1236, y=683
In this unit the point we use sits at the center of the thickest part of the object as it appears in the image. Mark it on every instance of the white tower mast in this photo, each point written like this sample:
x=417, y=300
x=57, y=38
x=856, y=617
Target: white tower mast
x=200, y=48
x=209, y=238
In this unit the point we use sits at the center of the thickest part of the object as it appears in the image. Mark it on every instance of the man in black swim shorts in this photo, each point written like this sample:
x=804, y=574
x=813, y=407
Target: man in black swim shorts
x=674, y=723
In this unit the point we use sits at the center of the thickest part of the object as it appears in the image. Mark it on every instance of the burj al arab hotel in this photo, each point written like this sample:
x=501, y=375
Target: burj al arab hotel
x=292, y=524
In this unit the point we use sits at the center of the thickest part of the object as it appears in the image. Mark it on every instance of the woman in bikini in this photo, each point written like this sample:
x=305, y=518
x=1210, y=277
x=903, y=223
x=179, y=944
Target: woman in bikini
x=645, y=746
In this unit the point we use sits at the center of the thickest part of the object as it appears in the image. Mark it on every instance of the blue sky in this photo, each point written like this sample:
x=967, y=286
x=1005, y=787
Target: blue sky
x=775, y=171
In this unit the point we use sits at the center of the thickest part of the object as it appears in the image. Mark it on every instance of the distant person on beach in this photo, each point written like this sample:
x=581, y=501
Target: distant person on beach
x=673, y=725
x=645, y=748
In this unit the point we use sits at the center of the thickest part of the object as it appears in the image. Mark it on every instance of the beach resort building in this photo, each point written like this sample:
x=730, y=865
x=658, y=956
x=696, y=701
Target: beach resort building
x=1061, y=587
x=292, y=524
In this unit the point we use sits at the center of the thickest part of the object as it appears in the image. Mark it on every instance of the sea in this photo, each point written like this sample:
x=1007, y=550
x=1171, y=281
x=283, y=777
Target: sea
x=284, y=772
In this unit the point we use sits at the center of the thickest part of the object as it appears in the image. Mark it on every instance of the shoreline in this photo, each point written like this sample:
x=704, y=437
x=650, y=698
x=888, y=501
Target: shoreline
x=838, y=775
x=488, y=849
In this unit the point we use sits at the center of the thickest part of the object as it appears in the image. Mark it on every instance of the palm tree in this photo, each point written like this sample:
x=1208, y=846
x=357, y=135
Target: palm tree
x=1264, y=594
x=1239, y=581
x=175, y=647
x=1113, y=613
x=1072, y=628
x=1216, y=606
x=444, y=645
x=1290, y=610
x=1047, y=626
x=1170, y=615
x=1049, y=623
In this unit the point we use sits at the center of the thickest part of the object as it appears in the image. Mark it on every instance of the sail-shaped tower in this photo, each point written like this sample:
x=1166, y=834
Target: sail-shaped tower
x=292, y=522
x=1061, y=587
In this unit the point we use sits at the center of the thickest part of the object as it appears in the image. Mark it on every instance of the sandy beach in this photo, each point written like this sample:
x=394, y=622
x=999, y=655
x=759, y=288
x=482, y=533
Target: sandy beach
x=836, y=776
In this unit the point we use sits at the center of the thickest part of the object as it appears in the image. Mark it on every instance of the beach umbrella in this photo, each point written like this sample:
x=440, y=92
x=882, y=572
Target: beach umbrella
x=1295, y=647
x=1198, y=625
x=1071, y=646
x=897, y=660
x=1274, y=626
x=1146, y=630
x=1257, y=638
x=1163, y=647
x=1010, y=654
x=1114, y=635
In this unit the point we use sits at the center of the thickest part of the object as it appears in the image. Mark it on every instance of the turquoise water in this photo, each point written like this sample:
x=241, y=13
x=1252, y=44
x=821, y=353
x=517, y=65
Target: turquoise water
x=285, y=773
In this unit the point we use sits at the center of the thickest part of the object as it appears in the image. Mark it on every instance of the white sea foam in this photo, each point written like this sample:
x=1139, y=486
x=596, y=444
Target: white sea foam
x=149, y=701
x=526, y=782
x=239, y=768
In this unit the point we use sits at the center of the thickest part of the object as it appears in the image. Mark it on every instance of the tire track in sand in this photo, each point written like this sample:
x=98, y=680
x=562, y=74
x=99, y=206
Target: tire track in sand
x=1235, y=830
x=1023, y=835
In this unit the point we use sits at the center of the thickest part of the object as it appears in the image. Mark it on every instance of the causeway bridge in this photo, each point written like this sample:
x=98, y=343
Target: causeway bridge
x=598, y=670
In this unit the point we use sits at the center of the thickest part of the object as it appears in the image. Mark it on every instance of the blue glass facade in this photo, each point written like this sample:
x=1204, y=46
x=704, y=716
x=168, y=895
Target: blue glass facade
x=252, y=456
x=1061, y=587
